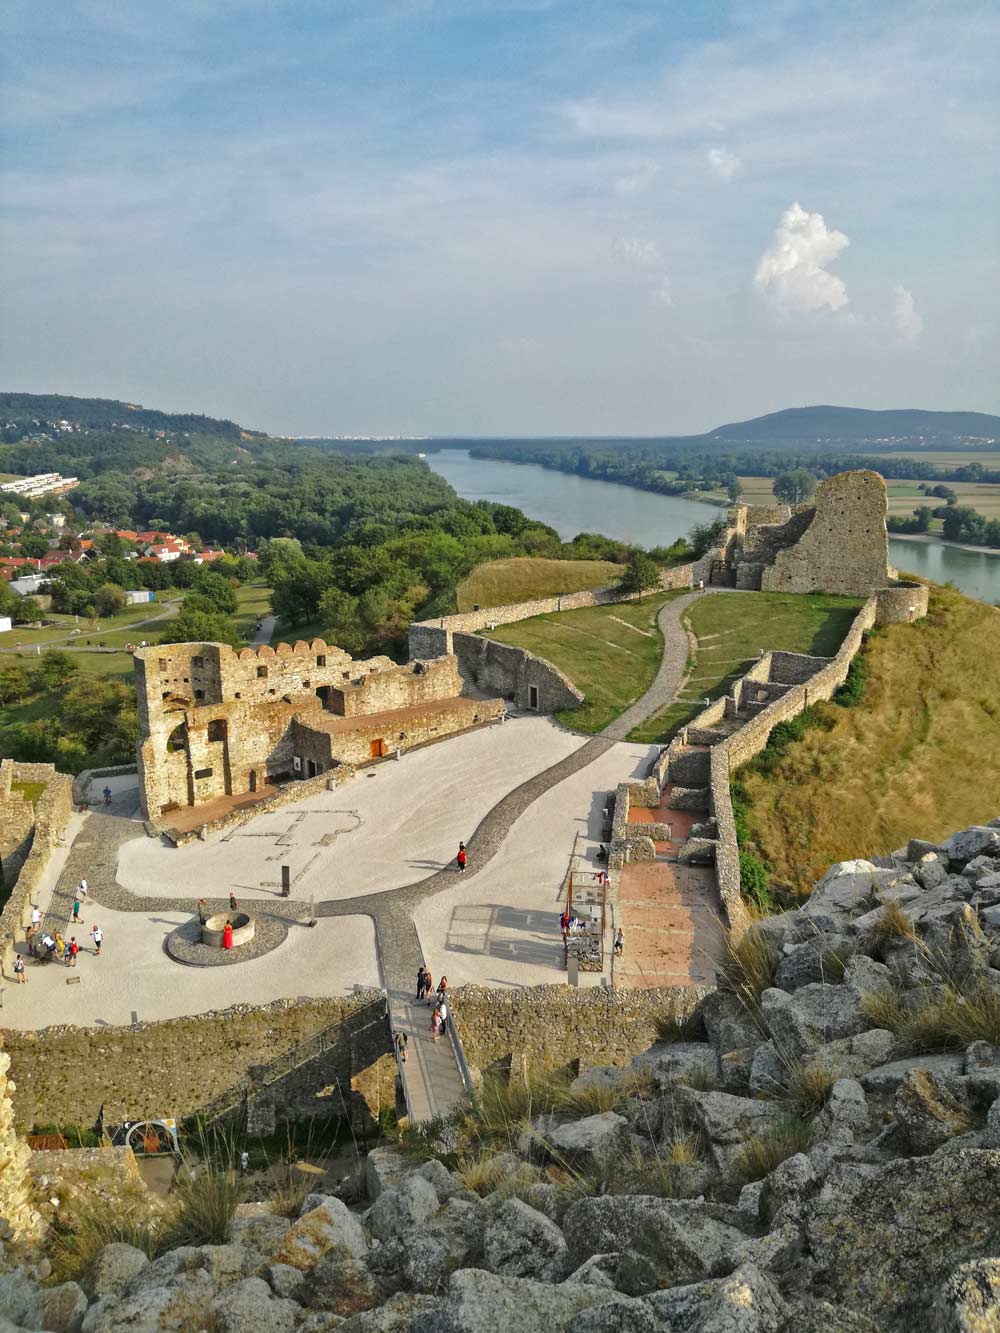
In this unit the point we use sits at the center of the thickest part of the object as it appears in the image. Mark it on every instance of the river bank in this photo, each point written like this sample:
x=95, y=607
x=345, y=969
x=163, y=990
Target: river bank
x=930, y=540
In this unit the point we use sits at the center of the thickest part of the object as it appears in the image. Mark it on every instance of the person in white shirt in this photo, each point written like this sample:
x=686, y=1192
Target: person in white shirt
x=81, y=889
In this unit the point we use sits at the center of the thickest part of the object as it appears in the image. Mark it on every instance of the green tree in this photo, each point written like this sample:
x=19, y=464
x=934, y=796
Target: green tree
x=200, y=623
x=54, y=669
x=703, y=536
x=641, y=574
x=109, y=598
x=794, y=487
x=734, y=490
x=13, y=682
x=34, y=545
x=340, y=616
x=215, y=589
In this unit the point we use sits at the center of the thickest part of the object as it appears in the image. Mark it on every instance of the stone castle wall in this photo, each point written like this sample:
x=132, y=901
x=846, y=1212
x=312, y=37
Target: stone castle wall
x=18, y=1219
x=530, y=682
x=180, y=1066
x=50, y=816
x=544, y=1027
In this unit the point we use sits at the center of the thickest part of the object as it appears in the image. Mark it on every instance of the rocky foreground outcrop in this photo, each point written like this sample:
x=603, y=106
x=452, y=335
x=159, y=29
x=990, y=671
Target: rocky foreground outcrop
x=818, y=1152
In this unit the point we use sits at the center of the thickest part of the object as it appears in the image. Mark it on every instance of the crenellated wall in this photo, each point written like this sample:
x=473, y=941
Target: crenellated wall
x=49, y=815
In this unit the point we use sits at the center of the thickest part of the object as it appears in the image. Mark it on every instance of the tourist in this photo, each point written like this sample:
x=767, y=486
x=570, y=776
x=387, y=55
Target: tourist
x=619, y=943
x=20, y=976
x=107, y=795
x=442, y=987
x=77, y=919
x=98, y=935
x=233, y=904
x=421, y=982
x=50, y=945
x=428, y=985
x=81, y=890
x=60, y=946
x=244, y=1161
x=564, y=926
x=435, y=1024
x=36, y=919
x=443, y=1014
x=202, y=911
x=461, y=858
x=227, y=934
x=401, y=1041
x=72, y=951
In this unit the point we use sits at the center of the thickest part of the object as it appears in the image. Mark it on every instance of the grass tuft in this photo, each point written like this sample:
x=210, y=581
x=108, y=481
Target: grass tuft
x=72, y=1253
x=949, y=1021
x=748, y=965
x=760, y=1153
x=807, y=1089
x=206, y=1204
x=893, y=925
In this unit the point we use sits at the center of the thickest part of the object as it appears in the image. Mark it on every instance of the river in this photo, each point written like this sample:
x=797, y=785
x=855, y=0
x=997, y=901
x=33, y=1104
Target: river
x=573, y=504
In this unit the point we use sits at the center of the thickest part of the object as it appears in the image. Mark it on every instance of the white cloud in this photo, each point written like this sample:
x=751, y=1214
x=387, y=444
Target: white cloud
x=724, y=163
x=792, y=270
x=639, y=254
x=663, y=294
x=637, y=181
x=907, y=318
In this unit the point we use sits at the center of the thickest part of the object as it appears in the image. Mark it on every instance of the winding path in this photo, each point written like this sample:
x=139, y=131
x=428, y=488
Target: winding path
x=431, y=1075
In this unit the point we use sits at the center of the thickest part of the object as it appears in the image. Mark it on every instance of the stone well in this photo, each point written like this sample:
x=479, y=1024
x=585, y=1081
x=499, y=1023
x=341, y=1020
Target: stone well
x=242, y=924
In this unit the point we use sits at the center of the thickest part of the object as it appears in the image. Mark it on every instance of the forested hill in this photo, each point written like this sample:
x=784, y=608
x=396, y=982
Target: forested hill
x=856, y=425
x=24, y=414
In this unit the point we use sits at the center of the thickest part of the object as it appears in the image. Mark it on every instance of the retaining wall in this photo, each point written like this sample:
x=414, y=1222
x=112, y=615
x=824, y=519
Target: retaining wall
x=178, y=1067
x=51, y=814
x=547, y=1026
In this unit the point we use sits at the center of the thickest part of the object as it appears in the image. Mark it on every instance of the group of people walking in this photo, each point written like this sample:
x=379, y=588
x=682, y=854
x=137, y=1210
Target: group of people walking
x=55, y=946
x=426, y=994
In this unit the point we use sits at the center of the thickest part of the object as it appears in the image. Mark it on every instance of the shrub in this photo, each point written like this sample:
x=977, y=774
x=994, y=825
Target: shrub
x=289, y=1193
x=72, y=1253
x=851, y=693
x=760, y=1153
x=755, y=882
x=807, y=1089
x=206, y=1204
x=748, y=965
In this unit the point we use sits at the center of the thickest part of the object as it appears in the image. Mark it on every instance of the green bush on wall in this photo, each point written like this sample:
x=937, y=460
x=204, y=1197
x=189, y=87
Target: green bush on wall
x=852, y=691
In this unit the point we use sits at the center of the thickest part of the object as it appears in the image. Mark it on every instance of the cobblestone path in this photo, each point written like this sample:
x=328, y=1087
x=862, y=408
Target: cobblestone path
x=434, y=1079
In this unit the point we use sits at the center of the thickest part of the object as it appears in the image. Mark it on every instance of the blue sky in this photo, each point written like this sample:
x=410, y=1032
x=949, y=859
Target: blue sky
x=523, y=216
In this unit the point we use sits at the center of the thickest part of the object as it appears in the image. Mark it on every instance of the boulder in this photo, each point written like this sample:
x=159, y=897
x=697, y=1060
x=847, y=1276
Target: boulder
x=767, y=1071
x=61, y=1309
x=969, y=1302
x=864, y=975
x=264, y=1233
x=400, y=1208
x=991, y=1132
x=593, y=1139
x=283, y=1279
x=451, y=1240
x=340, y=1284
x=980, y=840
x=681, y=1061
x=815, y=1014
x=445, y=1183
x=175, y=1301
x=725, y=1122
x=848, y=1105
x=727, y=1023
x=599, y=1270
x=846, y=888
x=928, y=1112
x=887, y=1238
x=883, y=1080
x=811, y=1316
x=383, y=1167
x=114, y=1268
x=397, y=1315
x=931, y=870
x=745, y=1302
x=480, y=1302
x=787, y=1187
x=321, y=1321
x=320, y=1230
x=247, y=1306
x=821, y=958
x=850, y=1057
x=520, y=1242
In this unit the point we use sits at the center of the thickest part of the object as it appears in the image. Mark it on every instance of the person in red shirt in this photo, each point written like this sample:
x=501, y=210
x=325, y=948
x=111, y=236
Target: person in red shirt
x=73, y=949
x=461, y=858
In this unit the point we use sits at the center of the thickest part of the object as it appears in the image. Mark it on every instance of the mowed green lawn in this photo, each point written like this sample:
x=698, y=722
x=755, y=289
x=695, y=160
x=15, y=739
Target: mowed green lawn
x=253, y=600
x=522, y=578
x=731, y=628
x=611, y=653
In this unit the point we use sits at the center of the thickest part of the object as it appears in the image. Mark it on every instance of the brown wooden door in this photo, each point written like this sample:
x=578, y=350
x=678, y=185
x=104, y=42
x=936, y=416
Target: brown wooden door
x=378, y=749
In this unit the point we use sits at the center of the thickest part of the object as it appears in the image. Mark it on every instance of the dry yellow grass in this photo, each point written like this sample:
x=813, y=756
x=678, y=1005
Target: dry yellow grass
x=919, y=757
x=503, y=582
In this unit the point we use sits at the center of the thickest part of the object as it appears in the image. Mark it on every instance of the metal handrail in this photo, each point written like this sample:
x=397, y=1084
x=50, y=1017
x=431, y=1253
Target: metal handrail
x=460, y=1060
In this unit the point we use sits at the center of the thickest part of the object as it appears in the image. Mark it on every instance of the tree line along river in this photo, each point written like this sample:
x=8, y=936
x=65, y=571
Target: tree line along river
x=573, y=504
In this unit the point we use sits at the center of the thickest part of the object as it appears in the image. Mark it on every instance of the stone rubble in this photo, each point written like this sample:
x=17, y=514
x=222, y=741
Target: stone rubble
x=816, y=1163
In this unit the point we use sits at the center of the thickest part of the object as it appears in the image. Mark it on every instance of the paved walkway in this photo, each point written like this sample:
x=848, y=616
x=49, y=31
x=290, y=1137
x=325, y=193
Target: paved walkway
x=263, y=635
x=433, y=1083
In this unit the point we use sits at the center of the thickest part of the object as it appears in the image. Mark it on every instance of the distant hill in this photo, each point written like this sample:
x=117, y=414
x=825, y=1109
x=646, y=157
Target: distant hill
x=844, y=425
x=25, y=410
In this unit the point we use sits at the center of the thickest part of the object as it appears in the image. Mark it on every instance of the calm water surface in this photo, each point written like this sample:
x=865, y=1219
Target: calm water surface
x=572, y=504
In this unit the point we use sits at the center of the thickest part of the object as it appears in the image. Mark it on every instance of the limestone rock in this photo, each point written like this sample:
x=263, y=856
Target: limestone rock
x=815, y=1015
x=397, y=1315
x=850, y=1057
x=991, y=1133
x=931, y=870
x=480, y=1302
x=864, y=975
x=821, y=1317
x=451, y=1240
x=283, y=1279
x=845, y=888
x=339, y=1283
x=320, y=1321
x=264, y=1233
x=318, y=1231
x=592, y=1139
x=401, y=1207
x=885, y=1079
x=745, y=1302
x=969, y=1302
x=520, y=1242
x=383, y=1167
x=767, y=1071
x=725, y=1122
x=436, y=1174
x=820, y=959
x=174, y=1304
x=727, y=1023
x=848, y=1105
x=683, y=1060
x=980, y=840
x=787, y=1187
x=114, y=1268
x=887, y=1238
x=249, y=1306
x=928, y=1112
x=599, y=1270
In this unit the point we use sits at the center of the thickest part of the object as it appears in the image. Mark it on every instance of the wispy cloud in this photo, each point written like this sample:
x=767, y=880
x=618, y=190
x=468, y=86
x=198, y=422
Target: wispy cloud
x=723, y=163
x=792, y=270
x=640, y=254
x=906, y=317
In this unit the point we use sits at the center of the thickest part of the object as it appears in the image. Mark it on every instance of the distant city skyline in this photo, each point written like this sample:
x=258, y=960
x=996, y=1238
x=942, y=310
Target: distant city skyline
x=501, y=217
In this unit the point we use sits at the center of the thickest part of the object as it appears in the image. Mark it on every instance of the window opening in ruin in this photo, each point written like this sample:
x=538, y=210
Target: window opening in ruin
x=178, y=738
x=253, y=779
x=533, y=696
x=237, y=695
x=321, y=659
x=197, y=661
x=217, y=730
x=307, y=684
x=163, y=664
x=199, y=694
x=262, y=673
x=203, y=772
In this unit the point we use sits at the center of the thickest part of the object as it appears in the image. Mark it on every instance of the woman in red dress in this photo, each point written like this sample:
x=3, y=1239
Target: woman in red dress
x=227, y=935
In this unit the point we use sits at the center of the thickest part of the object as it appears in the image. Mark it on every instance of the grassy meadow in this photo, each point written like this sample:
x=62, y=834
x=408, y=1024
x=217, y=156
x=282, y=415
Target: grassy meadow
x=611, y=653
x=504, y=582
x=731, y=628
x=919, y=757
x=904, y=494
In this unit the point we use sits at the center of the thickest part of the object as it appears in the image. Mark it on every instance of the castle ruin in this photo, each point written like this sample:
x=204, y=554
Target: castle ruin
x=215, y=723
x=836, y=543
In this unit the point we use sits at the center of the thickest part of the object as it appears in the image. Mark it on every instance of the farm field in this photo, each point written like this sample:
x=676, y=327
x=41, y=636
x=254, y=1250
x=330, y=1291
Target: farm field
x=904, y=495
x=612, y=653
x=523, y=578
x=731, y=628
